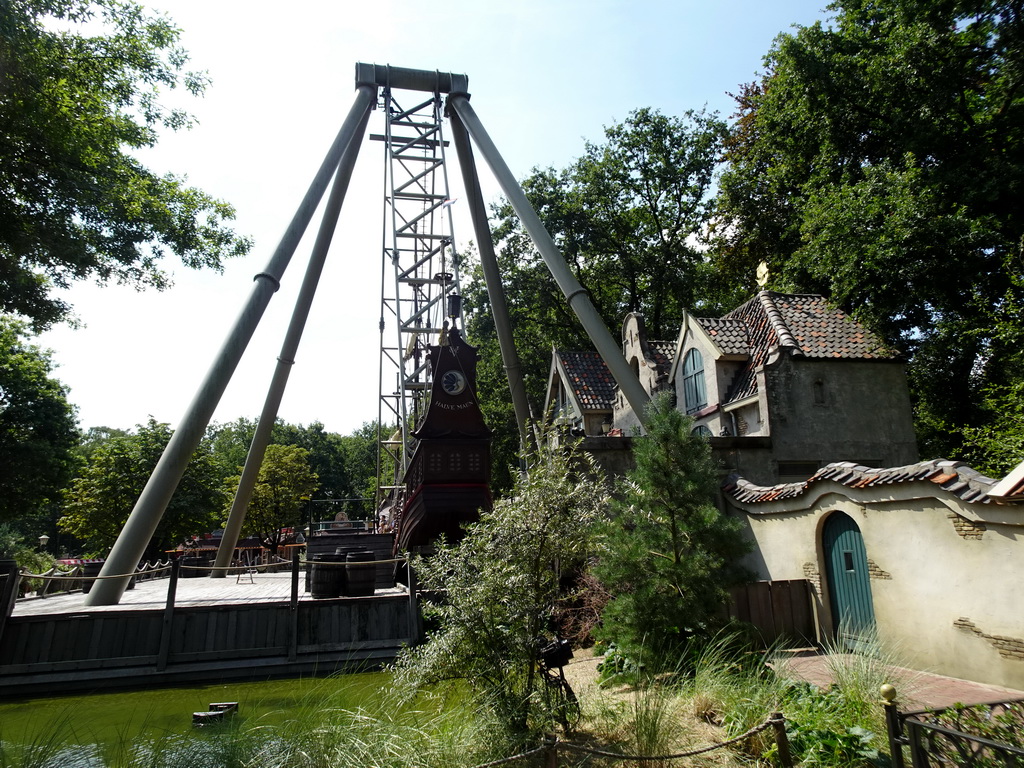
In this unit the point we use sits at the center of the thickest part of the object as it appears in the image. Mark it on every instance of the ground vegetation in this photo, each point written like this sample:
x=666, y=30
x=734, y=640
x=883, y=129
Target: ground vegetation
x=667, y=556
x=498, y=590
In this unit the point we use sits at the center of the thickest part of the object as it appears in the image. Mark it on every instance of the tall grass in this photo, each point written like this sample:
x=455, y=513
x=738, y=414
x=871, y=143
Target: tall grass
x=721, y=690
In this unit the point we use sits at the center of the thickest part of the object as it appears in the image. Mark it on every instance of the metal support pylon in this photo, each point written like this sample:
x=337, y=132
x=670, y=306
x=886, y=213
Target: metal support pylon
x=420, y=274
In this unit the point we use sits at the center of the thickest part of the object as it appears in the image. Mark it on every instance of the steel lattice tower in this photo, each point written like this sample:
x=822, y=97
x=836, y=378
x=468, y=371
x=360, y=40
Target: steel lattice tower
x=420, y=292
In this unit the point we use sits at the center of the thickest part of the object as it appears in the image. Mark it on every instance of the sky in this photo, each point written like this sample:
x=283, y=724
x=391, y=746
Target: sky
x=545, y=77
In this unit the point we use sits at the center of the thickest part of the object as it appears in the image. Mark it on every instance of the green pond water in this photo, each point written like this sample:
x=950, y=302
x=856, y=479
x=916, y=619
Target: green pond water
x=124, y=716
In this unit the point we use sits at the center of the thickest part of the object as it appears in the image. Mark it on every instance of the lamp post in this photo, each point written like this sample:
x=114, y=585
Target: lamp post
x=43, y=541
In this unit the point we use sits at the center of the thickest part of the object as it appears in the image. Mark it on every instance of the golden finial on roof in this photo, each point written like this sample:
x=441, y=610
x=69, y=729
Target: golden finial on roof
x=762, y=274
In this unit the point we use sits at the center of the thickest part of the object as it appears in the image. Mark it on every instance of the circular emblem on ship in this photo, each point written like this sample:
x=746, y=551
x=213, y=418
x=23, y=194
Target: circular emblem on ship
x=453, y=382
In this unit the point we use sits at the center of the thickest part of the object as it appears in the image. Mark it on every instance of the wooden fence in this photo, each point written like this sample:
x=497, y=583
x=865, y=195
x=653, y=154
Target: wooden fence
x=782, y=611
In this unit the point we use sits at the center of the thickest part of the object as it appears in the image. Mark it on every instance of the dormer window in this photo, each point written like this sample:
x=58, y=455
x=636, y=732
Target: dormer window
x=694, y=393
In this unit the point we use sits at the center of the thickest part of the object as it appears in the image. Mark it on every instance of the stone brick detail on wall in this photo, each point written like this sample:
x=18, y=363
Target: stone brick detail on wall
x=874, y=572
x=968, y=529
x=812, y=575
x=1008, y=647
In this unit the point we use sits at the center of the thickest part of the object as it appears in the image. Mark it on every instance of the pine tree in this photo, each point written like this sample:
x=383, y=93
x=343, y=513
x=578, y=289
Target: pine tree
x=669, y=556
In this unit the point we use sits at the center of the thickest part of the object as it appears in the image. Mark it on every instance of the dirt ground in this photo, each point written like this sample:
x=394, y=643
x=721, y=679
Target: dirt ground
x=692, y=732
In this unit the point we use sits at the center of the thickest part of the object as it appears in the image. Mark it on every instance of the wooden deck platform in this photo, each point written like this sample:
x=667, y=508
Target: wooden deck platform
x=214, y=629
x=152, y=595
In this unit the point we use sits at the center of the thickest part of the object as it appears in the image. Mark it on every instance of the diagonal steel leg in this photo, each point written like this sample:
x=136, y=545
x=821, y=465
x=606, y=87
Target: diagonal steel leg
x=149, y=509
x=286, y=359
x=492, y=278
x=574, y=293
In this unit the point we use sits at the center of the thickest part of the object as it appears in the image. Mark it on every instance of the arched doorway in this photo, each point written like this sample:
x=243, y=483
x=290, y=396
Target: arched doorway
x=849, y=588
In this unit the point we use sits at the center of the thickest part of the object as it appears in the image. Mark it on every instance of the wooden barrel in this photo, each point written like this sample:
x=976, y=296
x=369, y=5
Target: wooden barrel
x=190, y=568
x=325, y=579
x=359, y=578
x=90, y=570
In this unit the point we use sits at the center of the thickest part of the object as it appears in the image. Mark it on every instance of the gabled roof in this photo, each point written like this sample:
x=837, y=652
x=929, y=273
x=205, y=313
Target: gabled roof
x=588, y=378
x=955, y=477
x=802, y=325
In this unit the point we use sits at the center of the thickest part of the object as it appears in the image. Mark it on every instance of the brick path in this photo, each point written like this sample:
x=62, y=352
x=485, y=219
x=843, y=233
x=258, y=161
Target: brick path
x=914, y=689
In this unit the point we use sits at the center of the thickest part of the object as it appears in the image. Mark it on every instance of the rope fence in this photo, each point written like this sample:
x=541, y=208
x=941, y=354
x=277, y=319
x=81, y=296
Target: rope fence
x=549, y=748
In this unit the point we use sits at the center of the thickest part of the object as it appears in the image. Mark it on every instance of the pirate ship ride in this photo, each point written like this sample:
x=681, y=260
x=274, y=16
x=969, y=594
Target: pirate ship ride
x=447, y=482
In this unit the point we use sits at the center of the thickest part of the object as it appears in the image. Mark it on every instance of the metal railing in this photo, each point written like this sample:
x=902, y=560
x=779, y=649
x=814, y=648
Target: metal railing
x=975, y=736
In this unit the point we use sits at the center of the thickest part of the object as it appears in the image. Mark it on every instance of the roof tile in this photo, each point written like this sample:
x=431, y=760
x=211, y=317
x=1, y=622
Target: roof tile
x=969, y=485
x=592, y=382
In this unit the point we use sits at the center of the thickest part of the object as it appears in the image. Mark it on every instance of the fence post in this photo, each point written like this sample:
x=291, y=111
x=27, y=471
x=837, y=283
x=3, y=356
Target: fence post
x=165, y=634
x=781, y=739
x=893, y=725
x=10, y=575
x=550, y=751
x=293, y=644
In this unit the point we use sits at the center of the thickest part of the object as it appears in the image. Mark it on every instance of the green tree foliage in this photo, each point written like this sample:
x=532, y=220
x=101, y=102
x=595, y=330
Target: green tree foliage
x=880, y=162
x=668, y=555
x=345, y=464
x=359, y=450
x=99, y=500
x=501, y=585
x=27, y=554
x=80, y=82
x=38, y=430
x=283, y=486
x=625, y=216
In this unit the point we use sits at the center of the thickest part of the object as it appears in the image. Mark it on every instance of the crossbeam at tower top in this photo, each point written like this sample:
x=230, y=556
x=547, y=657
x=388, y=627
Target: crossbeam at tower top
x=404, y=79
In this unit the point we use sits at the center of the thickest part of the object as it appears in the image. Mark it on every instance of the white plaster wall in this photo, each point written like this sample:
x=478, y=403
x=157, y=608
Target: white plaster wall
x=937, y=577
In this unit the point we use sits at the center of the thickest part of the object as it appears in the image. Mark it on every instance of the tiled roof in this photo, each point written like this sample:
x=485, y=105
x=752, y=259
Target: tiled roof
x=591, y=381
x=952, y=476
x=729, y=334
x=662, y=352
x=803, y=324
x=820, y=330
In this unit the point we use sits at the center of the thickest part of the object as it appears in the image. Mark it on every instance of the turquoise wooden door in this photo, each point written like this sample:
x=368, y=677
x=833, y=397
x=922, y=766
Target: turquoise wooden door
x=849, y=587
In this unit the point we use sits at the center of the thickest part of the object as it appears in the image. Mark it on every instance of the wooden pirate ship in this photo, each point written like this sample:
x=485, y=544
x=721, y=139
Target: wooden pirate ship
x=447, y=482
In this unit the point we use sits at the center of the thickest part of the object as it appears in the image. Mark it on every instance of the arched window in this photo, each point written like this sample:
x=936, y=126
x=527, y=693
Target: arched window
x=694, y=393
x=702, y=430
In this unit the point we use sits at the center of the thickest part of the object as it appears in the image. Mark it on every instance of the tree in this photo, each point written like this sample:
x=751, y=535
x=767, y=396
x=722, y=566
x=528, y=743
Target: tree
x=344, y=464
x=667, y=556
x=75, y=203
x=502, y=584
x=283, y=486
x=99, y=500
x=626, y=216
x=359, y=450
x=879, y=162
x=38, y=429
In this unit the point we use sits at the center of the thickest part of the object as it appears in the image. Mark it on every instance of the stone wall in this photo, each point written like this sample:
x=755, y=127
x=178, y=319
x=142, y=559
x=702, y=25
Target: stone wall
x=945, y=575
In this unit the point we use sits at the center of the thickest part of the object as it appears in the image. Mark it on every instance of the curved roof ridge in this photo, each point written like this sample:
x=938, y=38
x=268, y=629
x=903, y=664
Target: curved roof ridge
x=782, y=331
x=956, y=477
